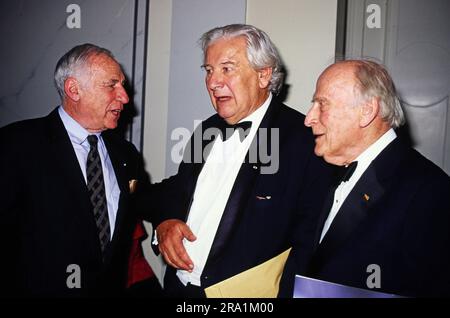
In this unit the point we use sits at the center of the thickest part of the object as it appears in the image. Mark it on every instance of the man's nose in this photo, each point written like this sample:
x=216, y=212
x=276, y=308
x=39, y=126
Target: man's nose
x=215, y=81
x=311, y=116
x=122, y=95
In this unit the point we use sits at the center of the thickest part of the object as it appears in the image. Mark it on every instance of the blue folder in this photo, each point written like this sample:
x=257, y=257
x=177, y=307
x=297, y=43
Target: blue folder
x=306, y=287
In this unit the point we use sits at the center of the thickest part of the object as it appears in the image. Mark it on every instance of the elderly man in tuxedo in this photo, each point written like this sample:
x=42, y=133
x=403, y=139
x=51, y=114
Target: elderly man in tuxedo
x=232, y=209
x=68, y=185
x=385, y=224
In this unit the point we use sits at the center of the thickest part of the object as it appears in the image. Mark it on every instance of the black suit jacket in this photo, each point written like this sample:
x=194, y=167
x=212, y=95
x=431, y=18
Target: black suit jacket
x=46, y=218
x=398, y=217
x=267, y=206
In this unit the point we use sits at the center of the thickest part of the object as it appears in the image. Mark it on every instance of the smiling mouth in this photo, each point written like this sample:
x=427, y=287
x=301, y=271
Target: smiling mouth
x=116, y=112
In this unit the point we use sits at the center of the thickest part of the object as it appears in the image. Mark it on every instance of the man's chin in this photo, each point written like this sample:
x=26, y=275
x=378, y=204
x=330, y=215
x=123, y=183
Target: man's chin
x=225, y=117
x=111, y=125
x=318, y=151
x=225, y=111
x=321, y=153
x=331, y=160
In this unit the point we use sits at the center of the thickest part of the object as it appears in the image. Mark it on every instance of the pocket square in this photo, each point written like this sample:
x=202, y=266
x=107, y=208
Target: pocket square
x=264, y=197
x=132, y=184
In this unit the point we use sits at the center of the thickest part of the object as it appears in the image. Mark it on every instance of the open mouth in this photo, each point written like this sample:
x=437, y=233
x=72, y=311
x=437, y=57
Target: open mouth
x=317, y=136
x=222, y=98
x=116, y=112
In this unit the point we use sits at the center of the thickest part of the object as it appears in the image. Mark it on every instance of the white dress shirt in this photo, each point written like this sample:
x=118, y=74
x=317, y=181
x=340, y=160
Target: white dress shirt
x=78, y=136
x=211, y=194
x=364, y=160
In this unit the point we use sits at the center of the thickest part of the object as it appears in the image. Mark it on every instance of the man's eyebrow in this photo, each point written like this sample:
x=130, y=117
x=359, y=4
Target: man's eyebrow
x=114, y=81
x=228, y=62
x=221, y=63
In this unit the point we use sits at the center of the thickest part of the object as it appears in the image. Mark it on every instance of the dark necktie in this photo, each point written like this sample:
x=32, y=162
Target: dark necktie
x=96, y=189
x=228, y=130
x=345, y=173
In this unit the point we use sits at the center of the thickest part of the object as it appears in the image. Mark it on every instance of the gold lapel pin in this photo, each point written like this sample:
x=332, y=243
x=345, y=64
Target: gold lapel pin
x=132, y=184
x=366, y=197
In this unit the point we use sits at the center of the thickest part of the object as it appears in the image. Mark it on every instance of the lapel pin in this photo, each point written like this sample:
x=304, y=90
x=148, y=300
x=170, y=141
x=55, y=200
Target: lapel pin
x=366, y=197
x=124, y=164
x=132, y=184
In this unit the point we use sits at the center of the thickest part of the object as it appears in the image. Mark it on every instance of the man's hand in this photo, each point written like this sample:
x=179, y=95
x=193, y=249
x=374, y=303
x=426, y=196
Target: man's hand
x=170, y=234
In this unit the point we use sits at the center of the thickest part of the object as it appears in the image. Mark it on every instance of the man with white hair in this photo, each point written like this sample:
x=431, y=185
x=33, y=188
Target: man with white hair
x=232, y=210
x=385, y=224
x=68, y=187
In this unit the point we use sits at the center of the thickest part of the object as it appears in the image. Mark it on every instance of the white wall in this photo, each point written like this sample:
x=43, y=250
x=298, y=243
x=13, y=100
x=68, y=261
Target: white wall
x=157, y=87
x=156, y=97
x=304, y=32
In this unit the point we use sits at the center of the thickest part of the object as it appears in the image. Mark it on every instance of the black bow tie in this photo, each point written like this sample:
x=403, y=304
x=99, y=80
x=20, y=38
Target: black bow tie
x=344, y=173
x=228, y=130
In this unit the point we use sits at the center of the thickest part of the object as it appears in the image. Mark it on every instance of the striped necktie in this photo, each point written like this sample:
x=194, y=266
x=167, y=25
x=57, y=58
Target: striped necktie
x=96, y=189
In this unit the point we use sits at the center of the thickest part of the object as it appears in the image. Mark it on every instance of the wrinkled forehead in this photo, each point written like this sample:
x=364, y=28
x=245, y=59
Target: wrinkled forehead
x=103, y=65
x=227, y=46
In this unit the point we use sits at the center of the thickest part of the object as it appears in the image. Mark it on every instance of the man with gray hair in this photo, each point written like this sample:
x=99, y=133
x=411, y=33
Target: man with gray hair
x=227, y=212
x=385, y=224
x=68, y=187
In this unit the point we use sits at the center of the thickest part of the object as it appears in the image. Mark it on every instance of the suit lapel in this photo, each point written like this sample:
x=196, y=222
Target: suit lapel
x=243, y=185
x=353, y=211
x=208, y=136
x=324, y=215
x=197, y=156
x=65, y=160
x=367, y=193
x=235, y=206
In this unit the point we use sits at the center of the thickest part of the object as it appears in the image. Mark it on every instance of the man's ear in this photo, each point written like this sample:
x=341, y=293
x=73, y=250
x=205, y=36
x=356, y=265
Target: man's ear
x=264, y=76
x=369, y=111
x=71, y=88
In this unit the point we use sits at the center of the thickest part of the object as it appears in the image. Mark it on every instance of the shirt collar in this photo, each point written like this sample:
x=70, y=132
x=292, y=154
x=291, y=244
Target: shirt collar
x=257, y=116
x=368, y=155
x=76, y=132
